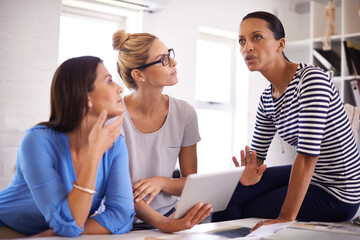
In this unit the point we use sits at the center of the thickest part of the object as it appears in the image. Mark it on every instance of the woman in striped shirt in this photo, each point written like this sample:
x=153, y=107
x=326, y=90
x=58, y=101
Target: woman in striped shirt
x=303, y=106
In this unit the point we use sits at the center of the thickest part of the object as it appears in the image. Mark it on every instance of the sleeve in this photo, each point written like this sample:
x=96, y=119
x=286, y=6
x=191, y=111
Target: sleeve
x=315, y=95
x=50, y=195
x=119, y=204
x=191, y=131
x=263, y=133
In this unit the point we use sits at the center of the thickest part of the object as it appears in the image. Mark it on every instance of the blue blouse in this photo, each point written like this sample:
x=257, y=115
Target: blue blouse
x=36, y=199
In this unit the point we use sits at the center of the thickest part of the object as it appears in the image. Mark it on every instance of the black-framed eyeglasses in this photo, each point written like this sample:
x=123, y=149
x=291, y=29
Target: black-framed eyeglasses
x=164, y=60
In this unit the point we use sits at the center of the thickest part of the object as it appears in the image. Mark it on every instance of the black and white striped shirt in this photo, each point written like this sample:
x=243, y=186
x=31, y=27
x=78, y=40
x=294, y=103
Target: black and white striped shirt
x=311, y=116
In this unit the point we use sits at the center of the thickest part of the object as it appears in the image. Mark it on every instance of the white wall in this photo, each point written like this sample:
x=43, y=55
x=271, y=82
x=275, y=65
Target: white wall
x=177, y=26
x=29, y=33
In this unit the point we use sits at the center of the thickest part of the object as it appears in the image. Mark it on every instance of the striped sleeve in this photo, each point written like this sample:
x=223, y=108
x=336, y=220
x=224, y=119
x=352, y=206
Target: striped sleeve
x=264, y=128
x=315, y=95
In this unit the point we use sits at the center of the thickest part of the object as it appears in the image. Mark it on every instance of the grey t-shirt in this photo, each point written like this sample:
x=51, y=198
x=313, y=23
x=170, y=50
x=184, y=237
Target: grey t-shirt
x=155, y=154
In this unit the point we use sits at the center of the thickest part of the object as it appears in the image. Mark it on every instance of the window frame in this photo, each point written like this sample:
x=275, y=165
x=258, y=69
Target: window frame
x=232, y=107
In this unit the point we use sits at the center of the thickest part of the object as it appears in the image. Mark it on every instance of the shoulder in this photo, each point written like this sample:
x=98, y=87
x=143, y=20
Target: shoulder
x=119, y=145
x=266, y=94
x=40, y=133
x=181, y=107
x=311, y=77
x=266, y=99
x=41, y=129
x=180, y=104
x=120, y=140
x=313, y=82
x=40, y=144
x=309, y=72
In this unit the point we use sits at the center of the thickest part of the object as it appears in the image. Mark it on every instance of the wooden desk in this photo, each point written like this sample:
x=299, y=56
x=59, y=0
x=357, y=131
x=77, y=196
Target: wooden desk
x=198, y=232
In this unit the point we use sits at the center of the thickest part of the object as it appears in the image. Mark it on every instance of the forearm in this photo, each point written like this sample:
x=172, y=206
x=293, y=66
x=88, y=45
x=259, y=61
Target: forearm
x=93, y=227
x=301, y=174
x=174, y=186
x=80, y=201
x=145, y=213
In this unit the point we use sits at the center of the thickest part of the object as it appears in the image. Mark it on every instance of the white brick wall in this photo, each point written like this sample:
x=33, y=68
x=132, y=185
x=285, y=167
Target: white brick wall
x=29, y=39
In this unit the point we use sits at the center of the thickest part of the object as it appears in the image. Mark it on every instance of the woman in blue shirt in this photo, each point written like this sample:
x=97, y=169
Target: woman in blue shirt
x=67, y=165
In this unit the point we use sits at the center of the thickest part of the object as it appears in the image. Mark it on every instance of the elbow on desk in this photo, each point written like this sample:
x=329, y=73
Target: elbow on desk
x=116, y=221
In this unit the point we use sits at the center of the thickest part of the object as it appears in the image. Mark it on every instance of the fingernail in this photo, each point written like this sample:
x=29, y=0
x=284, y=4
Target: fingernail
x=136, y=200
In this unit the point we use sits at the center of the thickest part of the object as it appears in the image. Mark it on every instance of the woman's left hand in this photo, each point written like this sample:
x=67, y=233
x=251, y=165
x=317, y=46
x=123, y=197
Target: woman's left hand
x=252, y=172
x=148, y=186
x=268, y=222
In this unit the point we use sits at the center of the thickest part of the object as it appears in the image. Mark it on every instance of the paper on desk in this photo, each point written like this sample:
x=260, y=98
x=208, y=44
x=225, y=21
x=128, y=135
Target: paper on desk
x=266, y=231
x=344, y=227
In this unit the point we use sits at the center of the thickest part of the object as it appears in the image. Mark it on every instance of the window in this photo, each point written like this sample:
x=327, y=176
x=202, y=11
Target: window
x=86, y=28
x=221, y=94
x=213, y=73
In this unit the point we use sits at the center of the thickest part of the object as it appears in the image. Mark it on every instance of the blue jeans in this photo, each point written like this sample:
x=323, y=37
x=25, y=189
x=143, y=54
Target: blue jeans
x=265, y=199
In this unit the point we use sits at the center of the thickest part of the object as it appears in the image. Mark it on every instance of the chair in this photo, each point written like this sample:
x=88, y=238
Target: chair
x=352, y=113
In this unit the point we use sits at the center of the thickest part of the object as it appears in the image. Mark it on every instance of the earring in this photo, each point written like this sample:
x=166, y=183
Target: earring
x=143, y=80
x=90, y=104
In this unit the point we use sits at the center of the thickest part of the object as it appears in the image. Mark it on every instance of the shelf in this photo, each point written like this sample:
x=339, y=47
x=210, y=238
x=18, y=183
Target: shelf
x=347, y=26
x=352, y=35
x=346, y=78
x=337, y=79
x=332, y=38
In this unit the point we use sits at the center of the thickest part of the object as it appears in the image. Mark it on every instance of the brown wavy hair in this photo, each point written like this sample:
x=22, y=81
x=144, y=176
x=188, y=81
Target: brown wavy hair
x=72, y=82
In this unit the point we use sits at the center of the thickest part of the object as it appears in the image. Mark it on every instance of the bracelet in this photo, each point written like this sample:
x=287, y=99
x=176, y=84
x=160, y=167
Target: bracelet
x=91, y=191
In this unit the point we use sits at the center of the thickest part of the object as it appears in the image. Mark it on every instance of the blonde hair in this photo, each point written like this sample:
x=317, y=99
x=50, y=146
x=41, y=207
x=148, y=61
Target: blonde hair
x=133, y=52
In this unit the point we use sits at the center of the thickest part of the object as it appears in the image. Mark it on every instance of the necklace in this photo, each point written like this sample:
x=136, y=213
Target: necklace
x=282, y=142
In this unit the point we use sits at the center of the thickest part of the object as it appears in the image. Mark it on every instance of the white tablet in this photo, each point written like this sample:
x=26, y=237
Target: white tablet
x=214, y=188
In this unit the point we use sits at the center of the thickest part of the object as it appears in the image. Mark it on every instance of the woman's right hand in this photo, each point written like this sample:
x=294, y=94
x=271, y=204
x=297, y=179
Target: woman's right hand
x=194, y=216
x=101, y=137
x=252, y=172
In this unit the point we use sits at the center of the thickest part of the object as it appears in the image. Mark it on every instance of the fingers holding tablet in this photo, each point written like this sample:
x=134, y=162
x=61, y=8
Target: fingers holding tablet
x=202, y=213
x=195, y=215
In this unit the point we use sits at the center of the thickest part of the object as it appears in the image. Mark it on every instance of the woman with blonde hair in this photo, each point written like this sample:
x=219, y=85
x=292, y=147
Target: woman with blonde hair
x=158, y=130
